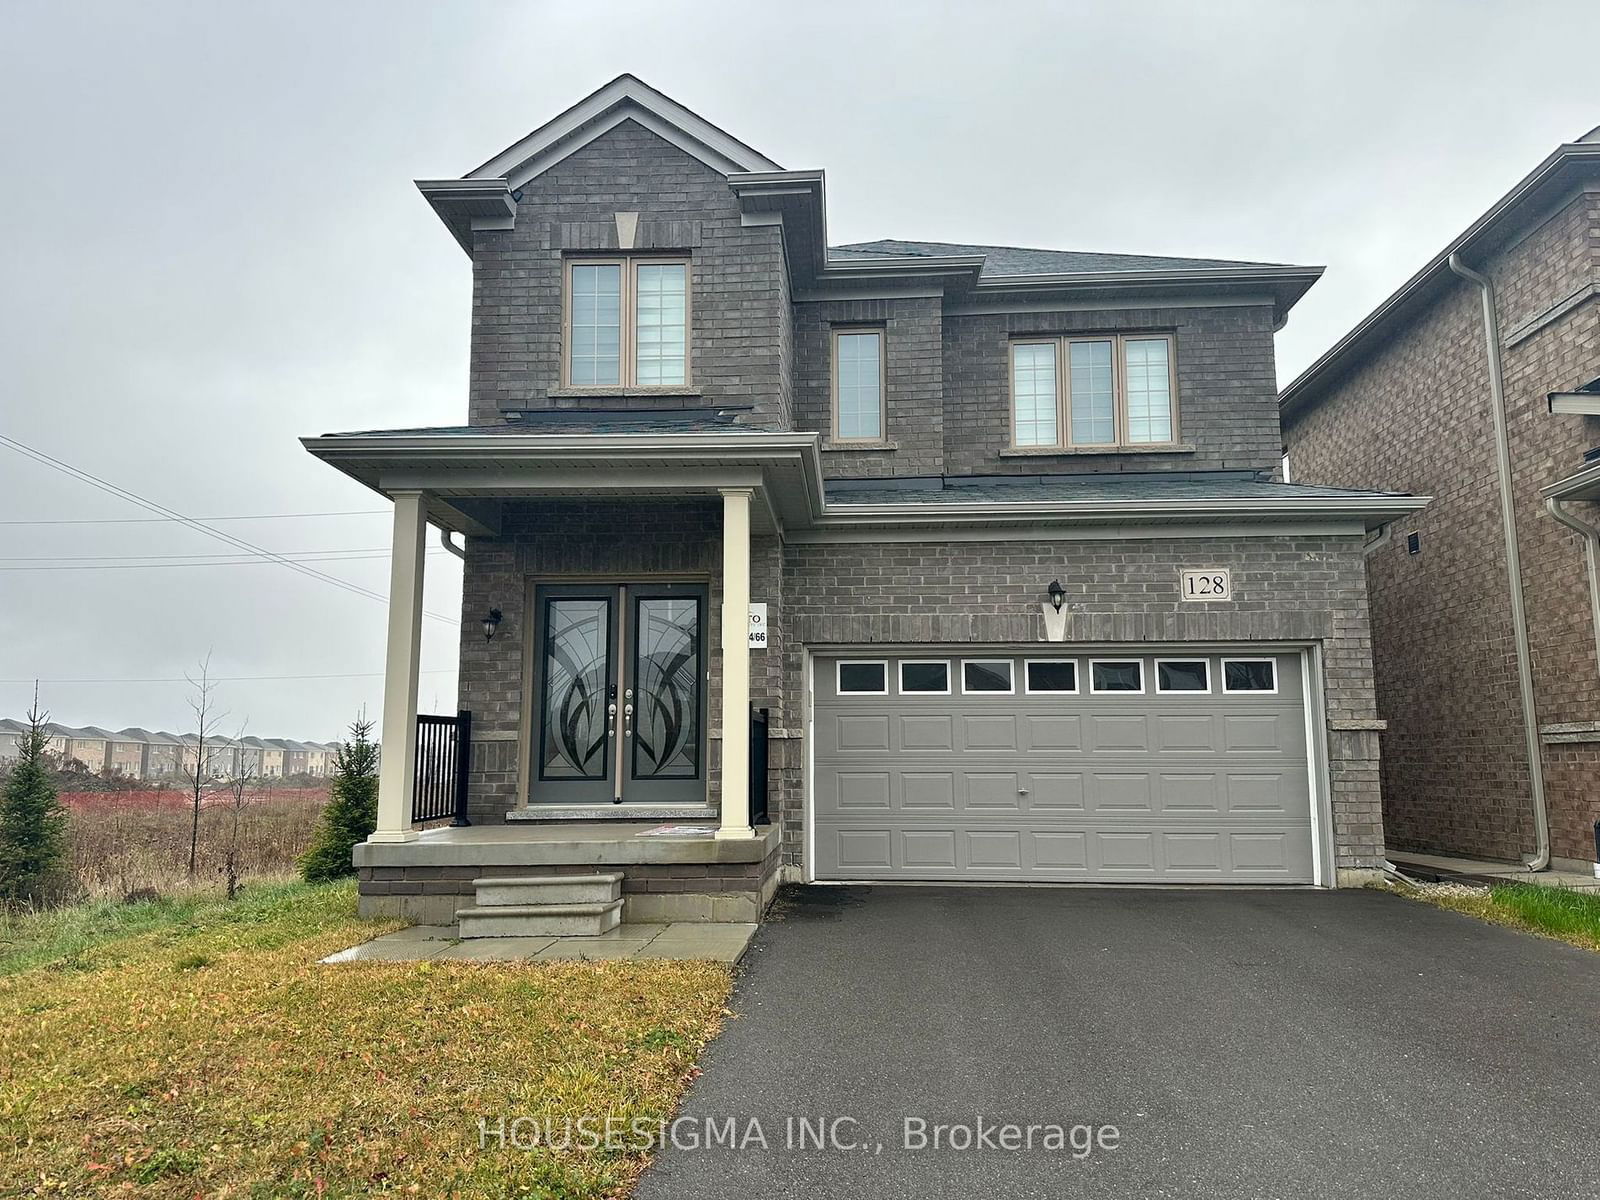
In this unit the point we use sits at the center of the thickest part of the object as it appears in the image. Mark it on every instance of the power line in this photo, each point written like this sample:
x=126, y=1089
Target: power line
x=122, y=493
x=226, y=678
x=116, y=562
x=362, y=512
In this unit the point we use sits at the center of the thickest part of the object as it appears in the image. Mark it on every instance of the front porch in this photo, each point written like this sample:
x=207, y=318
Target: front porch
x=431, y=876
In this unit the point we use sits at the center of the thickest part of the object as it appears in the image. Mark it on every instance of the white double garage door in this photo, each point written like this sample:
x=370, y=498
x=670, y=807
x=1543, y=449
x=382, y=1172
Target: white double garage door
x=1170, y=766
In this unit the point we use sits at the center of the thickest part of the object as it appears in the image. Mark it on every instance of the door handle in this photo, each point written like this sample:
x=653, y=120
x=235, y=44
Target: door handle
x=611, y=720
x=627, y=720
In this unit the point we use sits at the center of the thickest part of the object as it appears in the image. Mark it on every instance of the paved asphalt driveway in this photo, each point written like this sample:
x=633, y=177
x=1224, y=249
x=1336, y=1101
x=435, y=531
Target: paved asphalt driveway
x=1244, y=1044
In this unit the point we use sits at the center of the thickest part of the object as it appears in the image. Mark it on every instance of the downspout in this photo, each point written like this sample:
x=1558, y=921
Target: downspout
x=1591, y=557
x=1508, y=527
x=458, y=551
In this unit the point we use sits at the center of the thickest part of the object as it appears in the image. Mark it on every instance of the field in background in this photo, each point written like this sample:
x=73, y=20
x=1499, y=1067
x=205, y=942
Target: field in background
x=124, y=841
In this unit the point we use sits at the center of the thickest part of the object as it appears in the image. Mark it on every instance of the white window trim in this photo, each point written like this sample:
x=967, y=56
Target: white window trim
x=838, y=675
x=1276, y=677
x=1205, y=691
x=1011, y=673
x=900, y=675
x=1095, y=691
x=1077, y=678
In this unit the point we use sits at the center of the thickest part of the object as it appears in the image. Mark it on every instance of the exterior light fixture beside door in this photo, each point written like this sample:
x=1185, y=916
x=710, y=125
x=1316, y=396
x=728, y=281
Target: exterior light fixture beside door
x=491, y=622
x=1055, y=618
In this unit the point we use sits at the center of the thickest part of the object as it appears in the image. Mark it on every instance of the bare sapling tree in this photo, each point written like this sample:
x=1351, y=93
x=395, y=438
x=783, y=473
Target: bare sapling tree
x=200, y=774
x=239, y=790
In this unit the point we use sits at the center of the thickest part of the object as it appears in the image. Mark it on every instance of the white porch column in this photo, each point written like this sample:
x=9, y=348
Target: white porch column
x=398, y=767
x=735, y=664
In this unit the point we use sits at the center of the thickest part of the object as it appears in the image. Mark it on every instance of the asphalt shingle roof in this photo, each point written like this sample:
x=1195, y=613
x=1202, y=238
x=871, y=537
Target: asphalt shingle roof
x=1025, y=489
x=722, y=419
x=1019, y=260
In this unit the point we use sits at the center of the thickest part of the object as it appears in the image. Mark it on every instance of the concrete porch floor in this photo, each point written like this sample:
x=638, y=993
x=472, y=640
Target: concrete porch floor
x=718, y=941
x=1438, y=868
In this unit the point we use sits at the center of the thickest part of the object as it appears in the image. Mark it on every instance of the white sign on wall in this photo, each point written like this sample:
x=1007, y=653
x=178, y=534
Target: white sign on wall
x=758, y=627
x=1206, y=583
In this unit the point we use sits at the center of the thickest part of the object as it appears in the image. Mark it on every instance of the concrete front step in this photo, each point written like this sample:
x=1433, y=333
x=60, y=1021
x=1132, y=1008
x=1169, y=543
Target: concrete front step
x=600, y=888
x=539, y=920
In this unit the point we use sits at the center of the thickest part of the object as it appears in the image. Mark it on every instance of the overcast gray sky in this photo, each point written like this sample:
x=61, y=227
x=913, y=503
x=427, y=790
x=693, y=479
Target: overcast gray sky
x=212, y=243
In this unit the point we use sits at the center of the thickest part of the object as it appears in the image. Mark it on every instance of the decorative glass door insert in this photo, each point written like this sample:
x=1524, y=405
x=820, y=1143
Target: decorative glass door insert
x=621, y=693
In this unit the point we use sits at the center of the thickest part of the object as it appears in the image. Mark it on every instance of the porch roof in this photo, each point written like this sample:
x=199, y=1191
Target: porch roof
x=466, y=473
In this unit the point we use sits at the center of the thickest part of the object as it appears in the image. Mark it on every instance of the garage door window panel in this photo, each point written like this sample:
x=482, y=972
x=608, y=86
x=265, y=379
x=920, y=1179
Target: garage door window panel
x=864, y=678
x=1050, y=677
x=1179, y=676
x=924, y=677
x=1116, y=676
x=987, y=677
x=1256, y=676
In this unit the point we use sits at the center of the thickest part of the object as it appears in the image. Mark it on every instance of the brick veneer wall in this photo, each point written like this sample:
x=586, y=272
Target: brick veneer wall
x=1227, y=389
x=1414, y=416
x=1288, y=589
x=739, y=306
x=914, y=397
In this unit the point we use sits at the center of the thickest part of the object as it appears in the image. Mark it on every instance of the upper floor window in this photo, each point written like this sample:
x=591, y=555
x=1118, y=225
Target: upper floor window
x=1078, y=392
x=858, y=385
x=627, y=322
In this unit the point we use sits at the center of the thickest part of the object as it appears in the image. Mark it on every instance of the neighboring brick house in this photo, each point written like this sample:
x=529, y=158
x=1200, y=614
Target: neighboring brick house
x=1407, y=400
x=993, y=536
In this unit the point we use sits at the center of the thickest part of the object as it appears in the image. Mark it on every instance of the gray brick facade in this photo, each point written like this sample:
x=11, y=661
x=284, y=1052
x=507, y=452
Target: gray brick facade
x=947, y=402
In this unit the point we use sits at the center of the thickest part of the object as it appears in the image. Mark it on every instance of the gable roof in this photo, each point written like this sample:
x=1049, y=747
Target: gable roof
x=1528, y=203
x=1005, y=261
x=627, y=97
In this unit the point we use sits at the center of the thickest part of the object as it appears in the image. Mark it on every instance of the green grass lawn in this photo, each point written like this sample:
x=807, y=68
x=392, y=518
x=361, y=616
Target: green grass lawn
x=197, y=1049
x=1554, y=912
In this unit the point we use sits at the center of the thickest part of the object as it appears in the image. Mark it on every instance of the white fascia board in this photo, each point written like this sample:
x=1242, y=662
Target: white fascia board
x=1584, y=404
x=522, y=160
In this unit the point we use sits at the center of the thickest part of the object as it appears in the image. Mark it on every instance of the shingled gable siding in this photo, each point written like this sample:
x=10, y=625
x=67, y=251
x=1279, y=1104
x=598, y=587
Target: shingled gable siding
x=739, y=310
x=1415, y=417
x=914, y=403
x=1289, y=589
x=1227, y=389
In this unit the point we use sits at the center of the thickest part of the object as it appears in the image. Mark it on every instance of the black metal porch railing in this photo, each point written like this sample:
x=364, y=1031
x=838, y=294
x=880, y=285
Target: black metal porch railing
x=758, y=767
x=444, y=753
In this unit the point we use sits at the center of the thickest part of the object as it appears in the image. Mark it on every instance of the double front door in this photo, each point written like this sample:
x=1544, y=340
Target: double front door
x=620, y=673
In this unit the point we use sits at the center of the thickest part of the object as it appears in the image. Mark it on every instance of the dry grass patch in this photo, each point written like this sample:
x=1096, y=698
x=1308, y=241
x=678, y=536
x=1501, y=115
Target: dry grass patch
x=215, y=1058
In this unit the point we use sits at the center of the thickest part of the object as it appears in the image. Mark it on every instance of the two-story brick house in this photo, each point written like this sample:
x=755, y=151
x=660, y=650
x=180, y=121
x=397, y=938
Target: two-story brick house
x=1478, y=382
x=994, y=537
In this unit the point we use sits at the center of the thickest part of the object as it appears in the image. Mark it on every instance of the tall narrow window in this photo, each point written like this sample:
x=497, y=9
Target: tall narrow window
x=1034, y=393
x=1092, y=394
x=596, y=324
x=660, y=304
x=858, y=385
x=627, y=323
x=1149, y=385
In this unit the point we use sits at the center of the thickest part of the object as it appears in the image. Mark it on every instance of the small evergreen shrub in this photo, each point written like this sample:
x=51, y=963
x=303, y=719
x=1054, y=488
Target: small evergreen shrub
x=352, y=812
x=33, y=825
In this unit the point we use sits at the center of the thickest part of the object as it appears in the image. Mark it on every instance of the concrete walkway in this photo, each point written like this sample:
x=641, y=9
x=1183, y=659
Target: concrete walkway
x=1437, y=868
x=718, y=941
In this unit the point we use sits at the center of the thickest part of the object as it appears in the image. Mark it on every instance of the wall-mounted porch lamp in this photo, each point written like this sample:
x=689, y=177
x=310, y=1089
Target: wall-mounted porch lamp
x=490, y=623
x=1057, y=594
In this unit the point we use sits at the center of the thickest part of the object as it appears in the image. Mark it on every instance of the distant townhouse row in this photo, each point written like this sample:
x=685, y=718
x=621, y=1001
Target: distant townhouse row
x=136, y=753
